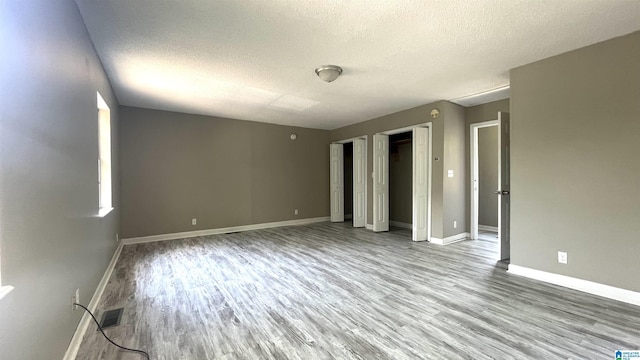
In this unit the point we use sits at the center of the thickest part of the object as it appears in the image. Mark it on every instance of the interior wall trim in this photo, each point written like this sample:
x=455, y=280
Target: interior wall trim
x=450, y=239
x=400, y=224
x=606, y=291
x=4, y=290
x=188, y=234
x=78, y=335
x=488, y=228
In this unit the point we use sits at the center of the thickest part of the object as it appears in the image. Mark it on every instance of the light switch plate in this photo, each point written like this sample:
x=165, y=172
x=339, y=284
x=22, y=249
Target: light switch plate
x=450, y=173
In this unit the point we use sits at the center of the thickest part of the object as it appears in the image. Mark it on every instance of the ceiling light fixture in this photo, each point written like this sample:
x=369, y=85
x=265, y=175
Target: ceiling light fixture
x=328, y=73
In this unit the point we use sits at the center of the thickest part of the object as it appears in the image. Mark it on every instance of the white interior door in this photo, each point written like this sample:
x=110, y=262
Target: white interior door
x=475, y=182
x=380, y=182
x=359, y=179
x=504, y=185
x=421, y=225
x=337, y=182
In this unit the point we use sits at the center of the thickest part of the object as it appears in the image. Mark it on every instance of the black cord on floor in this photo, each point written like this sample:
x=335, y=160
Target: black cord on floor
x=106, y=337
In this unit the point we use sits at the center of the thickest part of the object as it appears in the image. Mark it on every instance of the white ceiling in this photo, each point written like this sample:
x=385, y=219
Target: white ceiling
x=255, y=59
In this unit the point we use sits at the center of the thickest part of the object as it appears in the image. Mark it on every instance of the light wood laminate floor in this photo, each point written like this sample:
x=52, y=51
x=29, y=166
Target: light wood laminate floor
x=329, y=291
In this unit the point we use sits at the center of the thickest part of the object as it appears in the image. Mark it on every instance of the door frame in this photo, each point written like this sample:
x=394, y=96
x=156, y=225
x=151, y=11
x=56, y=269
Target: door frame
x=474, y=171
x=428, y=125
x=366, y=169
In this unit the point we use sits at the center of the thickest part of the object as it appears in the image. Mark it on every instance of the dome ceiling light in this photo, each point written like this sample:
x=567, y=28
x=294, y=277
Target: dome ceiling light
x=328, y=73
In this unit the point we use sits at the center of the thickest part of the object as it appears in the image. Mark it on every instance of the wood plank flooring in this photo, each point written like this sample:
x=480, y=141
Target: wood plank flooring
x=329, y=291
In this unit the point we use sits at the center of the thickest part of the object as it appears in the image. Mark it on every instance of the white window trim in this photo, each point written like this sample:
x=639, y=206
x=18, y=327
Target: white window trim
x=104, y=211
x=105, y=198
x=4, y=290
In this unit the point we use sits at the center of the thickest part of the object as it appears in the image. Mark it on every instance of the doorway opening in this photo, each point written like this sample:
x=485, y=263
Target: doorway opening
x=420, y=180
x=400, y=180
x=348, y=168
x=486, y=183
x=490, y=185
x=348, y=181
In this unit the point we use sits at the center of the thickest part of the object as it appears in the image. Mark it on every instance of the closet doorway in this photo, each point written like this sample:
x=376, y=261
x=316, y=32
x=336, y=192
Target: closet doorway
x=354, y=177
x=420, y=180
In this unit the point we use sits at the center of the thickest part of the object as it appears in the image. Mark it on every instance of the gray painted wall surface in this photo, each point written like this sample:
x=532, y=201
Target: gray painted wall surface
x=488, y=176
x=51, y=240
x=476, y=114
x=223, y=172
x=454, y=190
x=401, y=184
x=575, y=163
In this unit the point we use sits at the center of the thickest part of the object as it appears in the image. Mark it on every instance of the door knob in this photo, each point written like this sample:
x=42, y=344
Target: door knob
x=503, y=192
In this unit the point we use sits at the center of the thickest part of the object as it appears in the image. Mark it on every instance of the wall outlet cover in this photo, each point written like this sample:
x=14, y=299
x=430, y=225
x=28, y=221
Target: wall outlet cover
x=562, y=257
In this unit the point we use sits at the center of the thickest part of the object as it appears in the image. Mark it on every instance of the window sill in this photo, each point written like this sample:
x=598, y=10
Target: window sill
x=4, y=290
x=102, y=212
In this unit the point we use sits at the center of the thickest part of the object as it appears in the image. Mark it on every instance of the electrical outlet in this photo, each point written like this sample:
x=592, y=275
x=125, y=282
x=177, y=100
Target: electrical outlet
x=194, y=221
x=455, y=224
x=75, y=299
x=295, y=212
x=562, y=257
x=117, y=237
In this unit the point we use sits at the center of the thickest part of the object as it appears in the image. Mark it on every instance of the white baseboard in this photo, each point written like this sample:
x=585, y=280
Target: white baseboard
x=590, y=287
x=400, y=224
x=188, y=234
x=488, y=228
x=369, y=226
x=450, y=239
x=86, y=320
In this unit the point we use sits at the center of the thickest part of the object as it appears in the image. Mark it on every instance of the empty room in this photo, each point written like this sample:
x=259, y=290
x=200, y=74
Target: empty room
x=280, y=179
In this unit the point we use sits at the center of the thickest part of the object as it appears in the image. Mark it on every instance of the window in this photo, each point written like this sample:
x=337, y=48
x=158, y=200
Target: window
x=104, y=157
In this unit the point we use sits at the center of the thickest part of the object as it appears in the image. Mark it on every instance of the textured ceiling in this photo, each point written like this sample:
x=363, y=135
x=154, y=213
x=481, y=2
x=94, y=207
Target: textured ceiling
x=255, y=59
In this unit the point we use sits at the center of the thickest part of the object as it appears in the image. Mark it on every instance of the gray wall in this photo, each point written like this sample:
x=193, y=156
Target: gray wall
x=575, y=163
x=451, y=115
x=476, y=114
x=223, y=172
x=51, y=240
x=401, y=184
x=488, y=176
x=454, y=190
